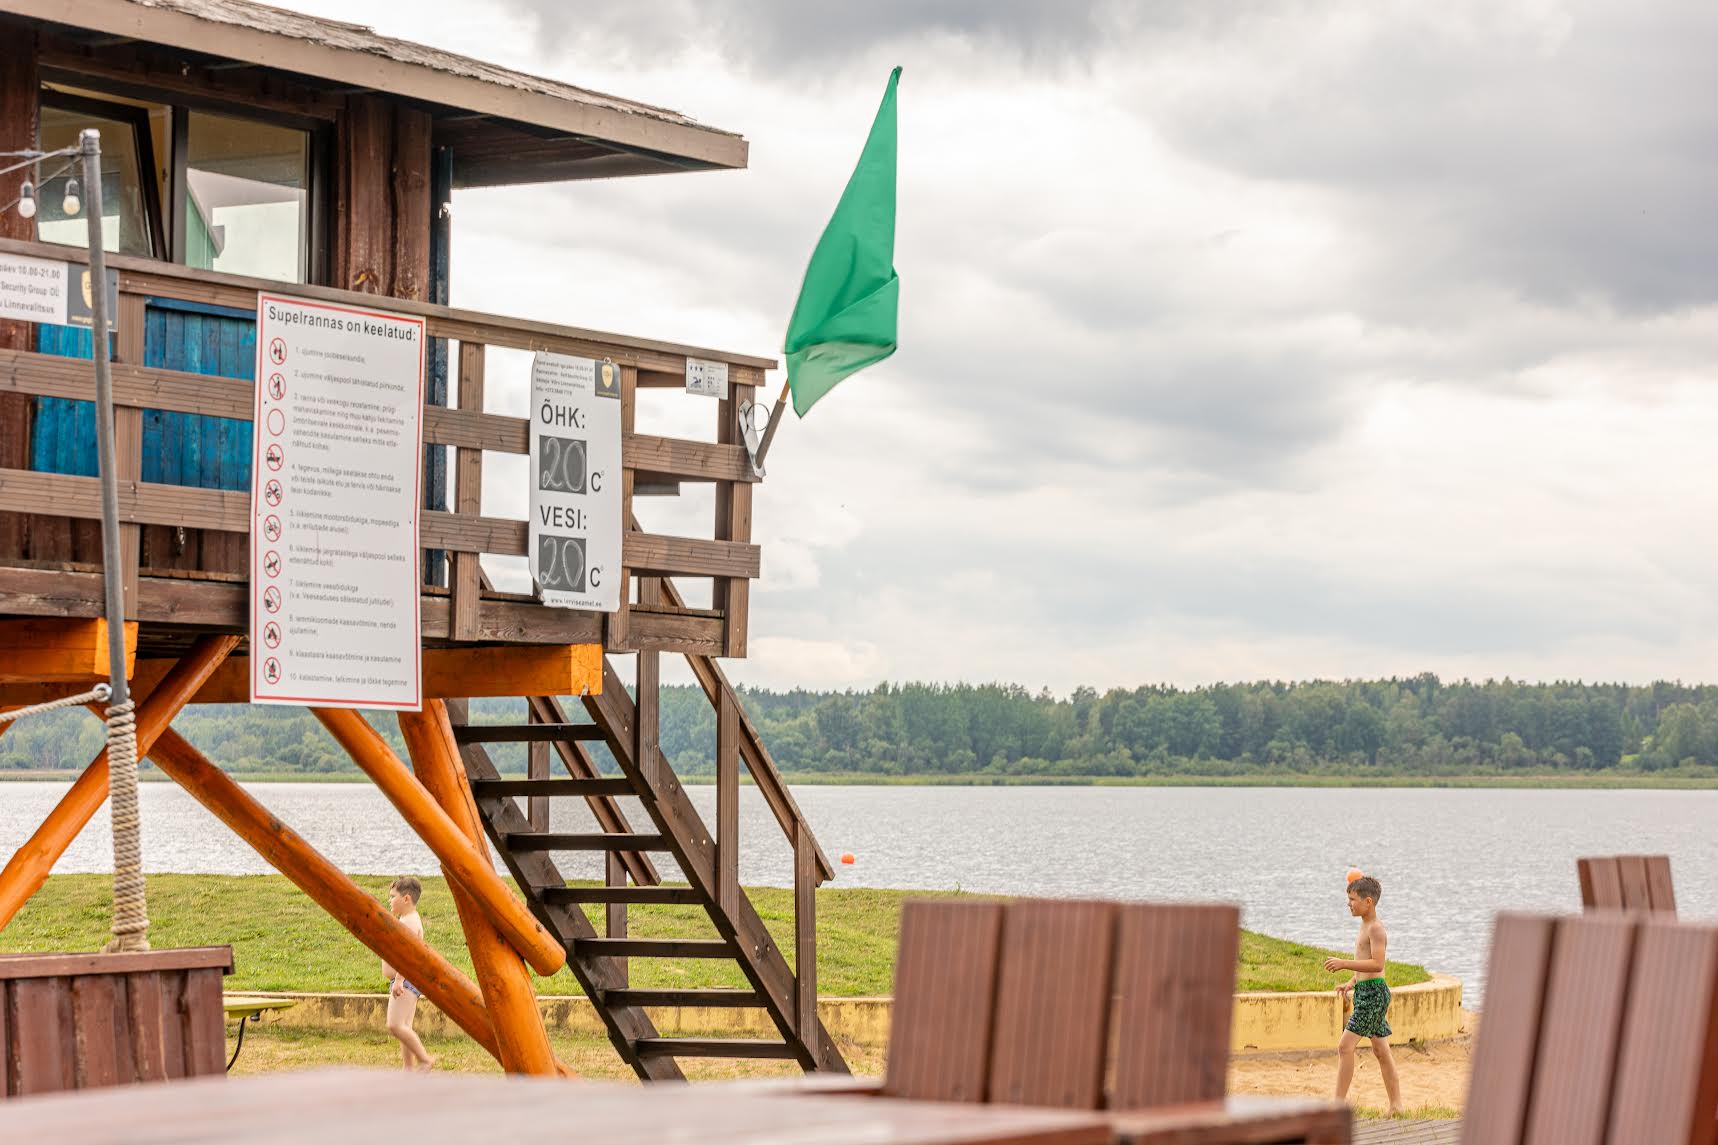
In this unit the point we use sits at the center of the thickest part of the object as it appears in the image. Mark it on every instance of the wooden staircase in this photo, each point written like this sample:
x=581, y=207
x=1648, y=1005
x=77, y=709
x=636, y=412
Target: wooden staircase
x=709, y=862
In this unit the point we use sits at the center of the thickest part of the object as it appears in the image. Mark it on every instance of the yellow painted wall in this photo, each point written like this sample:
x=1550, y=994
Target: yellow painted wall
x=1263, y=1021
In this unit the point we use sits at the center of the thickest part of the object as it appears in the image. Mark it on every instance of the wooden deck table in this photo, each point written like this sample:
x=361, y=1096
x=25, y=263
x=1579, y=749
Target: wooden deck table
x=1236, y=1120
x=363, y=1107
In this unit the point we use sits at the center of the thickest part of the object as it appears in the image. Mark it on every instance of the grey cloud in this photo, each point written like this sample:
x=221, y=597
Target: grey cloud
x=800, y=38
x=1572, y=156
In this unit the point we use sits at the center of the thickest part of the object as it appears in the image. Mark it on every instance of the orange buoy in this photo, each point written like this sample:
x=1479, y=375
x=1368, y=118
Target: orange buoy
x=1355, y=873
x=847, y=858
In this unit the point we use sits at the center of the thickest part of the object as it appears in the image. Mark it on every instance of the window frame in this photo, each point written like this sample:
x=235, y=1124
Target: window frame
x=167, y=220
x=143, y=145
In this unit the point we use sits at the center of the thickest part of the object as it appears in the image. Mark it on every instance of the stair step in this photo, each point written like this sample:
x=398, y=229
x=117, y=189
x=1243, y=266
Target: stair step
x=581, y=896
x=713, y=1048
x=558, y=841
x=726, y=998
x=524, y=733
x=655, y=947
x=584, y=788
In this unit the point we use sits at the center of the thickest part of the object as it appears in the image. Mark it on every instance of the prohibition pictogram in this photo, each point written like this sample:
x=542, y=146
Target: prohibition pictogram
x=272, y=492
x=277, y=351
x=271, y=527
x=271, y=670
x=271, y=598
x=271, y=563
x=271, y=634
x=274, y=456
x=276, y=385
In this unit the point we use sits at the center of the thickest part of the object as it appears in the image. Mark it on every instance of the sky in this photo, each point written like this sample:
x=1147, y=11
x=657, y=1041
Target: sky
x=1238, y=341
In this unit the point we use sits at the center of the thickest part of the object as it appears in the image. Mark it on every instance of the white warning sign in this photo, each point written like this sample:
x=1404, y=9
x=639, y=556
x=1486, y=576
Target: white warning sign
x=335, y=490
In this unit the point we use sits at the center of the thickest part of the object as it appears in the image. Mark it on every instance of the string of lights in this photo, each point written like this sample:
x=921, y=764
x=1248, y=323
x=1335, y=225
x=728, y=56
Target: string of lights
x=26, y=200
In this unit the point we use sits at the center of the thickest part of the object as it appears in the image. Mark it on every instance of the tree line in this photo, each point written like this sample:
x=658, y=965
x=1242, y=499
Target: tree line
x=1419, y=725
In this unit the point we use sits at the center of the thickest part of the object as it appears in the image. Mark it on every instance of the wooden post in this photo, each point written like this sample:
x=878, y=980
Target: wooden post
x=727, y=803
x=506, y=984
x=614, y=875
x=536, y=767
x=464, y=864
x=29, y=867
x=805, y=933
x=466, y=583
x=345, y=901
x=617, y=625
x=128, y=443
x=732, y=595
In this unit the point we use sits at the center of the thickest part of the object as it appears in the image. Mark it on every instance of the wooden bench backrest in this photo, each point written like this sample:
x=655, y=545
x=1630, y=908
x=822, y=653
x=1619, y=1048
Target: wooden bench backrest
x=1627, y=882
x=1053, y=1004
x=1013, y=1002
x=1175, y=1000
x=945, y=994
x=1599, y=1029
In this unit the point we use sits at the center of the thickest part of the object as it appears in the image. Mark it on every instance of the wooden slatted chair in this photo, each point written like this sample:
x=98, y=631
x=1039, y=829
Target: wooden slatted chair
x=1175, y=1003
x=1599, y=1030
x=945, y=992
x=1050, y=1029
x=1627, y=882
x=1037, y=1002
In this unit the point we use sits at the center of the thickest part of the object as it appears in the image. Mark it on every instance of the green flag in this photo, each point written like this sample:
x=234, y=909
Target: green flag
x=845, y=317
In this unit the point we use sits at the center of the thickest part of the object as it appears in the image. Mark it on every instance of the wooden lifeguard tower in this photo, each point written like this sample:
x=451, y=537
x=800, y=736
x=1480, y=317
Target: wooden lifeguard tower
x=249, y=150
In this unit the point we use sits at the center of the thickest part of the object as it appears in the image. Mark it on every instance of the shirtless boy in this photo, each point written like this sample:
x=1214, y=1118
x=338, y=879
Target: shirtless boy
x=1371, y=996
x=403, y=894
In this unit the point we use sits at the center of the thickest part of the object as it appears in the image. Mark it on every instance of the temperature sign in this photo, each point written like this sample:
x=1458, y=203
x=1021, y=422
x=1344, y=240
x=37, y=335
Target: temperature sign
x=575, y=542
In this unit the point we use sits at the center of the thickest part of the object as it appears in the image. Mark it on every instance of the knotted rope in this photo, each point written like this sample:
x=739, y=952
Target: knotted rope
x=130, y=909
x=97, y=695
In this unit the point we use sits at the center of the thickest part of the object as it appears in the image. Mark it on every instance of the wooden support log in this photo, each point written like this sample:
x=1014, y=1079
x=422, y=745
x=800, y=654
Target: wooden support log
x=29, y=866
x=55, y=651
x=448, y=673
x=501, y=973
x=442, y=835
x=345, y=901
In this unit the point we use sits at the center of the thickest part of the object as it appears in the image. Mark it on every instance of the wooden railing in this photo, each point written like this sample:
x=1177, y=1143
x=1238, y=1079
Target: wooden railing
x=466, y=611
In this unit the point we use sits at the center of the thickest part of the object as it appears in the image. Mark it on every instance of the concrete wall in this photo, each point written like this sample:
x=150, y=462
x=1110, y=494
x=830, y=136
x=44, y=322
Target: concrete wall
x=1263, y=1021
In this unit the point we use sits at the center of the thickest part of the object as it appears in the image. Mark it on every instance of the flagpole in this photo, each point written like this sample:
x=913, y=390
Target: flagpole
x=775, y=424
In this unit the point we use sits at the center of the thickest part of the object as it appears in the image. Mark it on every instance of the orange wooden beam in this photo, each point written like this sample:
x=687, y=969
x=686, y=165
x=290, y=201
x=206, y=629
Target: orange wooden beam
x=442, y=835
x=366, y=919
x=59, y=651
x=506, y=983
x=29, y=867
x=448, y=673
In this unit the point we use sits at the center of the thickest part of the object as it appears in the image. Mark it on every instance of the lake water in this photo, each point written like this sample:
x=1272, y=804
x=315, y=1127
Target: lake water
x=1448, y=859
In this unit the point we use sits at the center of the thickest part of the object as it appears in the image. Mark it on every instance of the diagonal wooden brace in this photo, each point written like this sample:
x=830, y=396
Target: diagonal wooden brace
x=29, y=866
x=345, y=901
x=462, y=861
x=501, y=973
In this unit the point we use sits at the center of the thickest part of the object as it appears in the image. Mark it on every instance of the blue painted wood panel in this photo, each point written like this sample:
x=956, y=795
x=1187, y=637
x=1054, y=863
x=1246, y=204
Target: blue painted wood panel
x=178, y=448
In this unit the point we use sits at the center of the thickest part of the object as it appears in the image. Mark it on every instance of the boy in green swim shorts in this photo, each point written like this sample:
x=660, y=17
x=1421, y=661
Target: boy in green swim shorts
x=1371, y=996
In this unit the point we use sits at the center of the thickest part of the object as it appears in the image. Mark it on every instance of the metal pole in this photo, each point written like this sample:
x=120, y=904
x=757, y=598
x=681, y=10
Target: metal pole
x=775, y=424
x=112, y=574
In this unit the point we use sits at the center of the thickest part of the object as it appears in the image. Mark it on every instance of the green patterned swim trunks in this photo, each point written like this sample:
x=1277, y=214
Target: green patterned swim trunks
x=1371, y=1003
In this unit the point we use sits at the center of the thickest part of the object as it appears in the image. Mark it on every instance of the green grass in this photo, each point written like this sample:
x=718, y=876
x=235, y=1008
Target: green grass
x=1600, y=781
x=283, y=941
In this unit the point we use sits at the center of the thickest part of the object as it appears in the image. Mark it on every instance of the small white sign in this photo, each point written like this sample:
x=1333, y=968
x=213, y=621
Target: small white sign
x=709, y=379
x=575, y=531
x=336, y=477
x=51, y=292
x=34, y=289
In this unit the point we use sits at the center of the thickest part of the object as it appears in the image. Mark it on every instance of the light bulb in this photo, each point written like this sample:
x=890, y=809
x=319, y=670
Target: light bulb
x=72, y=204
x=27, y=201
